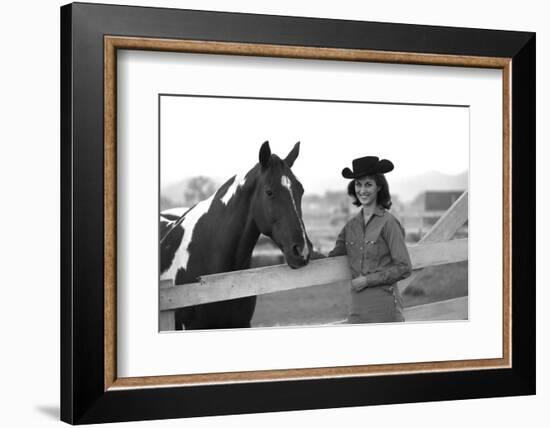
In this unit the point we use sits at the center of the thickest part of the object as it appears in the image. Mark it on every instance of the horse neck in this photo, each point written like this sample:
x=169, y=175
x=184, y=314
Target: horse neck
x=236, y=221
x=246, y=243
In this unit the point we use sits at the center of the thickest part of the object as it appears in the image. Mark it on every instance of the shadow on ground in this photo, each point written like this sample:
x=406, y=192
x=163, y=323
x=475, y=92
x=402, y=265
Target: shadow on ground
x=49, y=410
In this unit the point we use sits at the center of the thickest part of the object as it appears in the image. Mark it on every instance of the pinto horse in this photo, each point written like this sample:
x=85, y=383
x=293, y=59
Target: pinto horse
x=219, y=234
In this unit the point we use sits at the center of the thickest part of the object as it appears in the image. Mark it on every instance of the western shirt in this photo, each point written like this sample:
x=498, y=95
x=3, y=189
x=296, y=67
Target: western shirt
x=376, y=250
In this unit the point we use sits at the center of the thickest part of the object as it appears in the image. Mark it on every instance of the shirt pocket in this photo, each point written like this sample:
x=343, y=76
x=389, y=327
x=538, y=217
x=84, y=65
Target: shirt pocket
x=373, y=249
x=374, y=252
x=352, y=246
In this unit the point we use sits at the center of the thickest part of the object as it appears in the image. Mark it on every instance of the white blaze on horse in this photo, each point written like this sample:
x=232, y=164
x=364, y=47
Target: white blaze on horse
x=219, y=235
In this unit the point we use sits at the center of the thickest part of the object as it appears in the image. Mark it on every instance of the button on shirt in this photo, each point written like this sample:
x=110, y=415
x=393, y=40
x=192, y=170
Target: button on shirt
x=376, y=250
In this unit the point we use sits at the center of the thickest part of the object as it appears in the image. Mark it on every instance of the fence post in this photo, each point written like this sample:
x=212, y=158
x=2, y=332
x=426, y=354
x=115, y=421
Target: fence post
x=167, y=319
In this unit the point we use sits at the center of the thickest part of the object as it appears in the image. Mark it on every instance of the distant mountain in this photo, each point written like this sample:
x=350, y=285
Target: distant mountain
x=408, y=189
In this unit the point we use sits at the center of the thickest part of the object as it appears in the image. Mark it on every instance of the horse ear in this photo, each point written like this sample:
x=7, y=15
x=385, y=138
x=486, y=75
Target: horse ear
x=291, y=157
x=265, y=154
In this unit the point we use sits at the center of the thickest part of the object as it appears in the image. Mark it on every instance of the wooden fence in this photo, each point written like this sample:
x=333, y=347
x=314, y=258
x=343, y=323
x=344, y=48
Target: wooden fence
x=435, y=248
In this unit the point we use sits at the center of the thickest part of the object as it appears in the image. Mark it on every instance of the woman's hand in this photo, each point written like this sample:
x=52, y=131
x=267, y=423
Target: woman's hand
x=359, y=283
x=317, y=255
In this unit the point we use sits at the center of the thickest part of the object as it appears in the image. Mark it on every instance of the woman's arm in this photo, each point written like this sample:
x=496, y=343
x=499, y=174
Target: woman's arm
x=340, y=245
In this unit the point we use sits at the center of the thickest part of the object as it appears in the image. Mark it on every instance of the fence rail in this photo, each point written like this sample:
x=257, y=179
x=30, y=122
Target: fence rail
x=271, y=279
x=451, y=309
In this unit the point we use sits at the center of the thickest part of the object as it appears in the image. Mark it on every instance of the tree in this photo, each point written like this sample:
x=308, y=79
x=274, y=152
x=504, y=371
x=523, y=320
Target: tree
x=197, y=189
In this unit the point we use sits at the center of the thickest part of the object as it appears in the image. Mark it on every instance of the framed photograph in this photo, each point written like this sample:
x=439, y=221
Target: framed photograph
x=316, y=212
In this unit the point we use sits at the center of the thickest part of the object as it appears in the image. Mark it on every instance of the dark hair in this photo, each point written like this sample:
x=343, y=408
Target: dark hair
x=383, y=197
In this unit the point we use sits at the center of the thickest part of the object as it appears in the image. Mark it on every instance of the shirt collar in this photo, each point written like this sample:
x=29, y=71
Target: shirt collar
x=378, y=211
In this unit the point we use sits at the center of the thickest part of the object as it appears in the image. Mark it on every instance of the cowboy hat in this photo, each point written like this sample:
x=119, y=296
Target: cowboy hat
x=367, y=165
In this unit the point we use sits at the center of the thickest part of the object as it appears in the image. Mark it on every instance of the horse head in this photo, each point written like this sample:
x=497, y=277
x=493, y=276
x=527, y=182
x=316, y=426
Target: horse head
x=277, y=207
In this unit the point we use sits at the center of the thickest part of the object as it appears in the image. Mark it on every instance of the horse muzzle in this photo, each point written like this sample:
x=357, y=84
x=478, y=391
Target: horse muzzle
x=298, y=255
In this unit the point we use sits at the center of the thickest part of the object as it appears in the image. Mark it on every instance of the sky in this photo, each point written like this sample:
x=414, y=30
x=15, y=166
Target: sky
x=219, y=137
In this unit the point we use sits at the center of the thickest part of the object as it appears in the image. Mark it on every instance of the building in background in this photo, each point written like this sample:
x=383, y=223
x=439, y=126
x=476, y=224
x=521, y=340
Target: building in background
x=422, y=213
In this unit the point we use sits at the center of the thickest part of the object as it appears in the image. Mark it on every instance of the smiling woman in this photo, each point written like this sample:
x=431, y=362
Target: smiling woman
x=374, y=242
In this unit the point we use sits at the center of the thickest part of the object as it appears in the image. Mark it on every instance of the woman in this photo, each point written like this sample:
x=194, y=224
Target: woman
x=375, y=245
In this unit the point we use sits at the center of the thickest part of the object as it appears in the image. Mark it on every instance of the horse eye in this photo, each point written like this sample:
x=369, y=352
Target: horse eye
x=268, y=192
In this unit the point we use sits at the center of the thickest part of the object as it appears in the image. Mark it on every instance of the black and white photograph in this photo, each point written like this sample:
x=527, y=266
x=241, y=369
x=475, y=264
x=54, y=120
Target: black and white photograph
x=279, y=212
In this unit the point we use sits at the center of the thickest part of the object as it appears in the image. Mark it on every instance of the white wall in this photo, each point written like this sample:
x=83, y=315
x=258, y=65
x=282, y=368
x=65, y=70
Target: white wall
x=29, y=165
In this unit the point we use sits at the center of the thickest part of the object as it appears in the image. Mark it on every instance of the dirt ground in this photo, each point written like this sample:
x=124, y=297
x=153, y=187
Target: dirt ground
x=325, y=304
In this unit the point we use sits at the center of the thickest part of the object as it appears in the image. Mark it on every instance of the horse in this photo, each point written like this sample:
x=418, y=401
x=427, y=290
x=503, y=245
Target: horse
x=219, y=234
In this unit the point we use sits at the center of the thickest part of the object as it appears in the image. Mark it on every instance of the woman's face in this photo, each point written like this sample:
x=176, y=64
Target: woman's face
x=366, y=190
